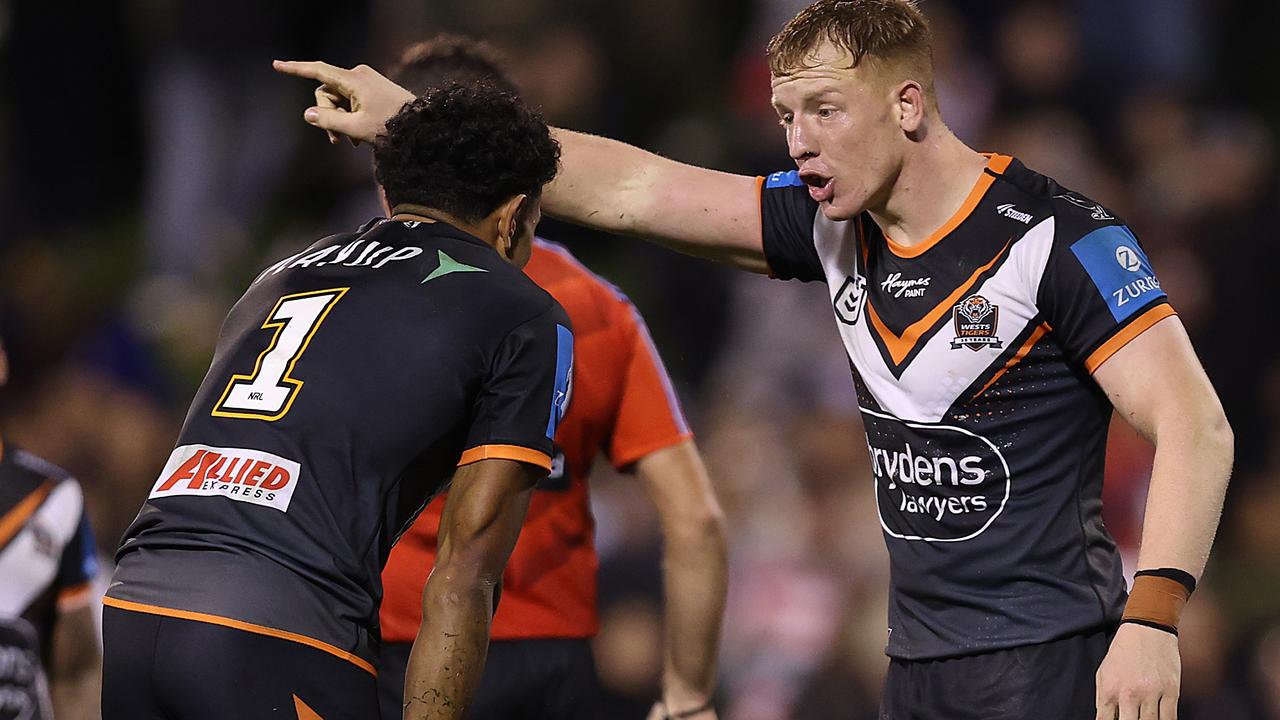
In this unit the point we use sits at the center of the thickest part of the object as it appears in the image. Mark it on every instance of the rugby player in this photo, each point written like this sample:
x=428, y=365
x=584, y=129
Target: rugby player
x=623, y=407
x=350, y=383
x=1027, y=314
x=49, y=659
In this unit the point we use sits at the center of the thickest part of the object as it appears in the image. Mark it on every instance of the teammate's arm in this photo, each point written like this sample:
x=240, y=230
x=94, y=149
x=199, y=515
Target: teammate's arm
x=482, y=516
x=695, y=573
x=76, y=676
x=1158, y=385
x=602, y=183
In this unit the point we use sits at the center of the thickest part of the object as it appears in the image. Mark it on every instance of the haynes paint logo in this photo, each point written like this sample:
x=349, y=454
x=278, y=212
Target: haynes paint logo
x=242, y=474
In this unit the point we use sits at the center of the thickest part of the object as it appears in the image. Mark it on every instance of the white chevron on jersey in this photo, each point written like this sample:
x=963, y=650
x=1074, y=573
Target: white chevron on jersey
x=29, y=563
x=934, y=379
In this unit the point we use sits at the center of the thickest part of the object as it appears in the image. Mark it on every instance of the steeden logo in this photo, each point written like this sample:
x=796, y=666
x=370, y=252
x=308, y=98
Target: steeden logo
x=1013, y=213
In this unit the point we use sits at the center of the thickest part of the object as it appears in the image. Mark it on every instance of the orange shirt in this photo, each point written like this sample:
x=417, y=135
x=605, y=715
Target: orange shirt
x=623, y=405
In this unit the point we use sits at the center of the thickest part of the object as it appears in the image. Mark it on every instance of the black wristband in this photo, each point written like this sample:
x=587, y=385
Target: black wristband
x=1182, y=577
x=1146, y=623
x=709, y=705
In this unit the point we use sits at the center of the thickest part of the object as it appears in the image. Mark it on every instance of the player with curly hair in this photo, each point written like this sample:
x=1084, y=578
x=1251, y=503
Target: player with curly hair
x=352, y=382
x=540, y=664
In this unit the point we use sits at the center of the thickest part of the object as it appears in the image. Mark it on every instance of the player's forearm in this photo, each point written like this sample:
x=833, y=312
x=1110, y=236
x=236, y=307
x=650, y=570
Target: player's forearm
x=448, y=654
x=696, y=576
x=1194, y=453
x=75, y=682
x=77, y=695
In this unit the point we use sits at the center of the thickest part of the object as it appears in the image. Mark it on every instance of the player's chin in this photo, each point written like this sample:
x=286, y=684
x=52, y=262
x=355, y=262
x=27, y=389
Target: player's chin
x=838, y=209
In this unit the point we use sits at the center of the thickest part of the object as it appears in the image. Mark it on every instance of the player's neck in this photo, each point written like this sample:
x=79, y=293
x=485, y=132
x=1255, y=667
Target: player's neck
x=409, y=212
x=934, y=182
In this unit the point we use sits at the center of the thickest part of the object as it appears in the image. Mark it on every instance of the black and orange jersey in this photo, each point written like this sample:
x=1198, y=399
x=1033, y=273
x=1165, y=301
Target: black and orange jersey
x=623, y=407
x=347, y=384
x=47, y=562
x=972, y=354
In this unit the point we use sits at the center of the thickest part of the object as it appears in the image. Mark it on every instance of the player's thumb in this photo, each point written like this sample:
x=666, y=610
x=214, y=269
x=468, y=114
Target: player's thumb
x=334, y=119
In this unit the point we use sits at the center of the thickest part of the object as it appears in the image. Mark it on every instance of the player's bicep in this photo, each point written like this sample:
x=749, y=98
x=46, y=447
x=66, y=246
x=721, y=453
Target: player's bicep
x=483, y=513
x=1157, y=376
x=620, y=188
x=706, y=213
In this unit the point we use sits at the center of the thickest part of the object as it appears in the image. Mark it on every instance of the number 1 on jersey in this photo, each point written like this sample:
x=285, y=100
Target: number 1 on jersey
x=269, y=391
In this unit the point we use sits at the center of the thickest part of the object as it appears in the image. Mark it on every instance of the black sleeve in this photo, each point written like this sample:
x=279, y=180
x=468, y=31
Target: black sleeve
x=787, y=216
x=1099, y=291
x=525, y=393
x=79, y=563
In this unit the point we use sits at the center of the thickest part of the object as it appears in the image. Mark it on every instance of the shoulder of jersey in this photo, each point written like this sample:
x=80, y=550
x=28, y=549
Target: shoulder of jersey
x=38, y=465
x=1074, y=214
x=784, y=179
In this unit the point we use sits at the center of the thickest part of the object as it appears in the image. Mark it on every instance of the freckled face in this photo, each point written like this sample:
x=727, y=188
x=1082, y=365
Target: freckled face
x=841, y=131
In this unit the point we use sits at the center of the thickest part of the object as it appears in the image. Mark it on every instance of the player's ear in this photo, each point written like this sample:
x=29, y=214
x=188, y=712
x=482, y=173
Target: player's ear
x=508, y=219
x=910, y=102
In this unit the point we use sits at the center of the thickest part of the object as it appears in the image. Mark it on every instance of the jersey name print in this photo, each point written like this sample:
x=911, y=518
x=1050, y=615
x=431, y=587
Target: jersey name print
x=971, y=355
x=343, y=393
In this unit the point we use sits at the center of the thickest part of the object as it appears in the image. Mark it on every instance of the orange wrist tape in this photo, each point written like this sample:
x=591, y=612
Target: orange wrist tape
x=1156, y=601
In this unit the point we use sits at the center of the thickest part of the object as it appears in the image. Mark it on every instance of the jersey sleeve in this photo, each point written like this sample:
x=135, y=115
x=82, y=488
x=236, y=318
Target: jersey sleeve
x=525, y=393
x=649, y=416
x=77, y=567
x=1098, y=292
x=787, y=215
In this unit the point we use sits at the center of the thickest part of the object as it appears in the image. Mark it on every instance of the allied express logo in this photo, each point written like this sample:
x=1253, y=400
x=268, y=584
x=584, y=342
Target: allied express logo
x=934, y=483
x=242, y=474
x=976, y=320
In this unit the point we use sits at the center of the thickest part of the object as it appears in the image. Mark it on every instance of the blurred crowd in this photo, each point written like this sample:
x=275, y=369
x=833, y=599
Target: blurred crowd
x=150, y=161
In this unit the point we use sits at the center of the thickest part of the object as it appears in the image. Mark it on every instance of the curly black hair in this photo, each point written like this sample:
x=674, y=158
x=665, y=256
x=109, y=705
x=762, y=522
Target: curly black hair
x=445, y=59
x=464, y=149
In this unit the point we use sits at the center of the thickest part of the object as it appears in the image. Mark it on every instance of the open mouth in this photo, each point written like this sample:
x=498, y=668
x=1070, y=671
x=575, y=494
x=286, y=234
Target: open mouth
x=821, y=187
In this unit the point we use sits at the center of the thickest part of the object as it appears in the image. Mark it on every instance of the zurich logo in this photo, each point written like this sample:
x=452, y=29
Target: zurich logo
x=1128, y=259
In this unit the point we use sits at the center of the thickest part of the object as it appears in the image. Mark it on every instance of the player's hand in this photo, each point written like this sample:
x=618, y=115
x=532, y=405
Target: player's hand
x=1141, y=676
x=660, y=712
x=356, y=102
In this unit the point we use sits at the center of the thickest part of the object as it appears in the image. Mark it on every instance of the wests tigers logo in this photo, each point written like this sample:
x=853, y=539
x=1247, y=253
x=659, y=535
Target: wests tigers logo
x=976, y=320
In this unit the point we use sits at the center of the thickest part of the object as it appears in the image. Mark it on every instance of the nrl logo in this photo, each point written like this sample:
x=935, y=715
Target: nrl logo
x=975, y=323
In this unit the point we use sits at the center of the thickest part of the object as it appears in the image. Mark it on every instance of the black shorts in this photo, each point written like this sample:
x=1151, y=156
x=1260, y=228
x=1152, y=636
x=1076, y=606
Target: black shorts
x=163, y=668
x=1050, y=681
x=551, y=679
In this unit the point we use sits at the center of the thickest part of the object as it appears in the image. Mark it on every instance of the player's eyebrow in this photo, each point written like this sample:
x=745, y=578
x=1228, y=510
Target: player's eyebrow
x=820, y=94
